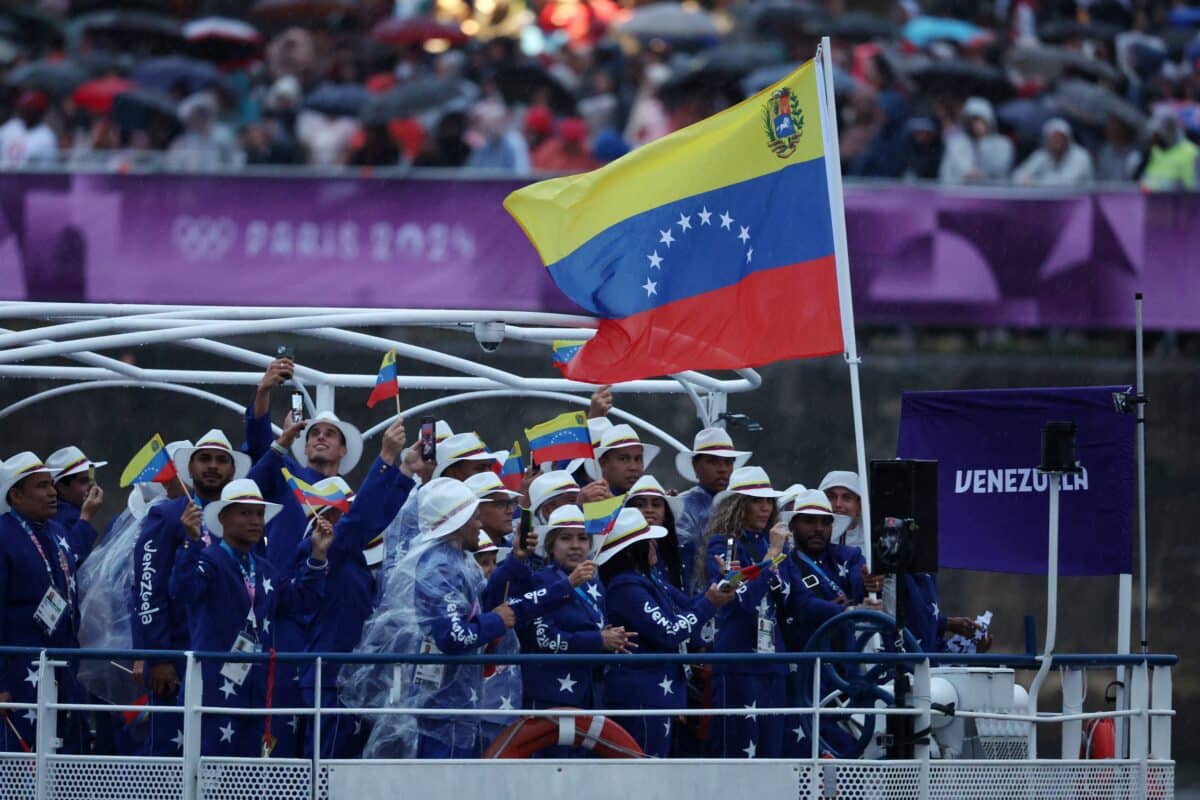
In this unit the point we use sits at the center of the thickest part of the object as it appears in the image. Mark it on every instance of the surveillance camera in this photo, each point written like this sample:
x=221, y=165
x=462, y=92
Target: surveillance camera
x=489, y=335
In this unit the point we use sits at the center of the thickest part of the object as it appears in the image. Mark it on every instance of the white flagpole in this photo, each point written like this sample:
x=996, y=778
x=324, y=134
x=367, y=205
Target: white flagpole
x=833, y=177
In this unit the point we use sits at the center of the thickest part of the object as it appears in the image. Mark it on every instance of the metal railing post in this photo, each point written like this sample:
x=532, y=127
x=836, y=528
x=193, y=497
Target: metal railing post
x=1073, y=692
x=1139, y=700
x=316, y=729
x=46, y=741
x=922, y=700
x=193, y=699
x=1160, y=700
x=814, y=734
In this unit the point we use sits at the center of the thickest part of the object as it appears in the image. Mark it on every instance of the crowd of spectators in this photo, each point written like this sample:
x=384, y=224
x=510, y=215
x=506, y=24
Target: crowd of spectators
x=1018, y=92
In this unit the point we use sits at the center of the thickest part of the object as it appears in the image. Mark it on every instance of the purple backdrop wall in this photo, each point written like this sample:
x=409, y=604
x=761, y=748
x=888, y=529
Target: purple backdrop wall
x=918, y=254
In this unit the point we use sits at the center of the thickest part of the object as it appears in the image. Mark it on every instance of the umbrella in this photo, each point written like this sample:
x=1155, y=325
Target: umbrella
x=133, y=23
x=960, y=79
x=1093, y=105
x=1026, y=116
x=790, y=18
x=400, y=32
x=338, y=99
x=166, y=72
x=737, y=58
x=1057, y=31
x=78, y=7
x=294, y=10
x=222, y=40
x=669, y=21
x=520, y=84
x=34, y=26
x=97, y=95
x=136, y=109
x=862, y=27
x=104, y=62
x=922, y=31
x=58, y=78
x=415, y=97
x=1052, y=63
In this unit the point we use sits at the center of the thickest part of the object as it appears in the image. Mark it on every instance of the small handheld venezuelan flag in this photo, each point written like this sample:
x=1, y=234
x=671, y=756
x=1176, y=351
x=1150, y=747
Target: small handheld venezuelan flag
x=386, y=384
x=312, y=498
x=564, y=350
x=560, y=439
x=600, y=516
x=151, y=464
x=751, y=571
x=512, y=471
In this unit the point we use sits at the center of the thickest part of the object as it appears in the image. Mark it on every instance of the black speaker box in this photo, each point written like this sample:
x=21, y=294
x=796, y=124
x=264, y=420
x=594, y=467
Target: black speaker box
x=907, y=489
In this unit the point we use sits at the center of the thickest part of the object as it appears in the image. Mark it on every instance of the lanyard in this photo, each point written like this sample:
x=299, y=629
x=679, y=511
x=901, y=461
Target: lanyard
x=62, y=560
x=247, y=574
x=828, y=582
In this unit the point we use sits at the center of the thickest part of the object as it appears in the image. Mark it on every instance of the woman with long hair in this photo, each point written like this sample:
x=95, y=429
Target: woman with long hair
x=743, y=531
x=664, y=619
x=648, y=496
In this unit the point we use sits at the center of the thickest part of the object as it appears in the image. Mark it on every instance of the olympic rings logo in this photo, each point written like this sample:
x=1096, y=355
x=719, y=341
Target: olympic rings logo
x=203, y=238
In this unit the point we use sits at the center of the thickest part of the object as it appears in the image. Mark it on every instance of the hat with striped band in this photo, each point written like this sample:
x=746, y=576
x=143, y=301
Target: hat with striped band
x=464, y=447
x=69, y=461
x=568, y=517
x=446, y=505
x=709, y=442
x=241, y=491
x=549, y=485
x=486, y=484
x=486, y=545
x=619, y=436
x=17, y=469
x=811, y=502
x=630, y=527
x=213, y=440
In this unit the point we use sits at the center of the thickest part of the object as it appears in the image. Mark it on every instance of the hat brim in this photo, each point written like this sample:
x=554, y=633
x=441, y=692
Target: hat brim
x=649, y=452
x=8, y=483
x=183, y=457
x=683, y=461
x=137, y=503
x=508, y=492
x=373, y=552
x=212, y=513
x=80, y=468
x=448, y=527
x=653, y=532
x=500, y=456
x=354, y=445
x=543, y=531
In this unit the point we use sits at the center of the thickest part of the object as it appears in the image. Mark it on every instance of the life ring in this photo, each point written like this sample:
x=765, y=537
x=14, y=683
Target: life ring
x=1100, y=739
x=603, y=736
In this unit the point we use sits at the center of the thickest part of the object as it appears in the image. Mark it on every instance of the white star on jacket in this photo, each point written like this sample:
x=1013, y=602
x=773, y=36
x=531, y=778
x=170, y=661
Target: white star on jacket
x=33, y=678
x=30, y=716
x=667, y=726
x=266, y=626
x=799, y=731
x=227, y=732
x=267, y=586
x=63, y=544
x=474, y=697
x=228, y=689
x=506, y=703
x=178, y=740
x=937, y=612
x=566, y=683
x=594, y=591
x=294, y=723
x=666, y=686
x=843, y=570
x=750, y=749
x=752, y=707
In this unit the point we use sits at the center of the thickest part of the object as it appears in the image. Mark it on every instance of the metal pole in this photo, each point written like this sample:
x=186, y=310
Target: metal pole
x=1051, y=612
x=833, y=175
x=1141, y=470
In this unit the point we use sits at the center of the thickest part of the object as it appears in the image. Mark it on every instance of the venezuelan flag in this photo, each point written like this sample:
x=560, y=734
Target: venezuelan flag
x=752, y=571
x=600, y=516
x=309, y=496
x=560, y=439
x=564, y=350
x=711, y=248
x=512, y=471
x=151, y=464
x=386, y=385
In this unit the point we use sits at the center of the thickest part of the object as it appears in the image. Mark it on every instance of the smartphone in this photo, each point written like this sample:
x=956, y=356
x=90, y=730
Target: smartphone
x=526, y=527
x=429, y=440
x=285, y=351
x=297, y=407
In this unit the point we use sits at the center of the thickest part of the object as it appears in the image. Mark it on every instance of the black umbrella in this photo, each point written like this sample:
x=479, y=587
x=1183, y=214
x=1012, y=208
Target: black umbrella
x=790, y=18
x=34, y=26
x=130, y=23
x=413, y=98
x=338, y=99
x=58, y=78
x=961, y=79
x=300, y=10
x=861, y=27
x=1093, y=105
x=738, y=58
x=164, y=73
x=132, y=109
x=1053, y=63
x=520, y=84
x=1057, y=31
x=78, y=7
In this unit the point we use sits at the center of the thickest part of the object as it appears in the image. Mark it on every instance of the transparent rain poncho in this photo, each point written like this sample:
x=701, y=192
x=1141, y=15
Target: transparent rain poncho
x=104, y=590
x=431, y=605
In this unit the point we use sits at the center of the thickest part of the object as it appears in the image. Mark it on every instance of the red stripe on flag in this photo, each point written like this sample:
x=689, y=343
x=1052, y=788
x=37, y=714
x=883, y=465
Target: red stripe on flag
x=772, y=315
x=562, y=452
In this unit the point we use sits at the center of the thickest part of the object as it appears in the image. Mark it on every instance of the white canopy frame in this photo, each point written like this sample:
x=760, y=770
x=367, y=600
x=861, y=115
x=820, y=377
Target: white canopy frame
x=82, y=332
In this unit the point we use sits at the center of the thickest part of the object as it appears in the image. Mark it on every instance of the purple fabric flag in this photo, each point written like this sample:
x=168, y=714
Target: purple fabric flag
x=993, y=504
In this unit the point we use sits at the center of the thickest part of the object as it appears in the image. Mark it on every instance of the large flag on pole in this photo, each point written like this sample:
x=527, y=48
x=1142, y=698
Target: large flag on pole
x=711, y=248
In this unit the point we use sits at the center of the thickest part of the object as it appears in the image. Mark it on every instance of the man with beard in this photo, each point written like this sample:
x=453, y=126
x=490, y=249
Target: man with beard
x=159, y=624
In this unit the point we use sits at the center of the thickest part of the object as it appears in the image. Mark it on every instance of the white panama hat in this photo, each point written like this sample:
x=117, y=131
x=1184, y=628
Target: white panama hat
x=842, y=478
x=630, y=527
x=240, y=490
x=485, y=484
x=750, y=481
x=619, y=436
x=464, y=447
x=709, y=442
x=70, y=460
x=213, y=440
x=446, y=505
x=17, y=469
x=353, y=437
x=549, y=485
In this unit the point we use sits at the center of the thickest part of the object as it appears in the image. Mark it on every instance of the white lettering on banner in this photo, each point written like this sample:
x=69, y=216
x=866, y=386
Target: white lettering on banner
x=1014, y=480
x=211, y=238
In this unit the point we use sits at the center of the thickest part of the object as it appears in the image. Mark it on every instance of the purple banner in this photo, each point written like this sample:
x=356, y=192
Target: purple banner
x=919, y=255
x=993, y=506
